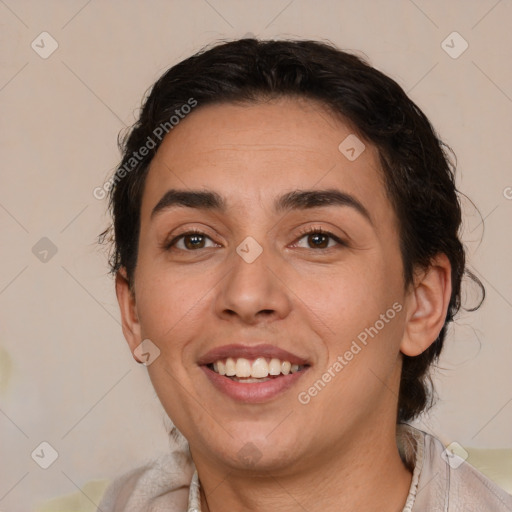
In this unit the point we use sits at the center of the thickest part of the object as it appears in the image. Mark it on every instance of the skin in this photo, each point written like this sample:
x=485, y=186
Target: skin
x=338, y=452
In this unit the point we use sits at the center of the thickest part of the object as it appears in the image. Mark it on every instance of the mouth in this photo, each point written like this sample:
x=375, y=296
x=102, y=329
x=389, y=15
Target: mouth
x=252, y=374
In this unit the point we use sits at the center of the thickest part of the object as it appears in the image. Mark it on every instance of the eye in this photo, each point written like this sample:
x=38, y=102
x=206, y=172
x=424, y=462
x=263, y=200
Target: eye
x=319, y=238
x=189, y=241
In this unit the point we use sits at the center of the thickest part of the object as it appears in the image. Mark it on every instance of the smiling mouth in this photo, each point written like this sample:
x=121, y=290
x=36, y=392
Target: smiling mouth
x=249, y=371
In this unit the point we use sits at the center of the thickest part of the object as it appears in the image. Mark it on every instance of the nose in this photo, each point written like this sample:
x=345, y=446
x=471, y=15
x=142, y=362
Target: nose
x=253, y=291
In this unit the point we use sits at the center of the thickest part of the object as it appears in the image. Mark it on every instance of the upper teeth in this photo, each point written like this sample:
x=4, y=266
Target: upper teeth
x=259, y=368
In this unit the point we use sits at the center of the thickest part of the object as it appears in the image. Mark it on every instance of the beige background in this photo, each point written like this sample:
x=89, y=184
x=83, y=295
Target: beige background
x=66, y=375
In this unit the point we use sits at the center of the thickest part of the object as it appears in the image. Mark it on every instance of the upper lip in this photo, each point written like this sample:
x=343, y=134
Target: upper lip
x=250, y=352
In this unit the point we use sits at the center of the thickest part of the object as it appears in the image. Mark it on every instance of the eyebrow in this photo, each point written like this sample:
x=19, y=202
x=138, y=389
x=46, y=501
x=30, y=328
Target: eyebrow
x=294, y=200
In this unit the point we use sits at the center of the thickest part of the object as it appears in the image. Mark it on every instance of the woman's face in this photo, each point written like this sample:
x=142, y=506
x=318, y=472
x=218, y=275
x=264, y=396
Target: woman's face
x=254, y=276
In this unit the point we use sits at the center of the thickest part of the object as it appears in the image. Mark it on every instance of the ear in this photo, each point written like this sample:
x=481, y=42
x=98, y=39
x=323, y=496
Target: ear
x=427, y=305
x=130, y=321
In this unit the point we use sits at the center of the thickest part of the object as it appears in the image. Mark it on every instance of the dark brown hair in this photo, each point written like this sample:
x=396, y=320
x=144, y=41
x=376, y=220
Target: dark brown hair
x=418, y=171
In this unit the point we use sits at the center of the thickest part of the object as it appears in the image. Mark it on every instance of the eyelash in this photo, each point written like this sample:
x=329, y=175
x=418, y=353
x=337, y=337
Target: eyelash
x=306, y=231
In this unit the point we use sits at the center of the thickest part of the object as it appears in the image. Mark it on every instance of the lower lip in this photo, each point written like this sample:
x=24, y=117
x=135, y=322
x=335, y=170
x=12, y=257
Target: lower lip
x=253, y=392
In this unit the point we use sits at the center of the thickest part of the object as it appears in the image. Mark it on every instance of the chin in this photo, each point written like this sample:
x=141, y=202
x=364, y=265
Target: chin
x=257, y=453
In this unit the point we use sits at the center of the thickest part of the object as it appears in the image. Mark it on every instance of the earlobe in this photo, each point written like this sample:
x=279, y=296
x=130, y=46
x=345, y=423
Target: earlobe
x=127, y=305
x=427, y=307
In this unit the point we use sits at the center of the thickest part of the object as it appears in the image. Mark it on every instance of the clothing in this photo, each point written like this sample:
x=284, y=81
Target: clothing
x=439, y=483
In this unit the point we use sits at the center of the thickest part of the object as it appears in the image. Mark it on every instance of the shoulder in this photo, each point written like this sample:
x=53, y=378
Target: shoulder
x=161, y=484
x=445, y=481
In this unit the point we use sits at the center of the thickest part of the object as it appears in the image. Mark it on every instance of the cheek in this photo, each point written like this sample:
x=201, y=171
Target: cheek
x=173, y=308
x=344, y=299
x=163, y=302
x=361, y=311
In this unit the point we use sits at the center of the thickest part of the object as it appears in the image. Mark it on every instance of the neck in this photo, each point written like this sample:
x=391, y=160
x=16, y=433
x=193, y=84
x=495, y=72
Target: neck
x=368, y=475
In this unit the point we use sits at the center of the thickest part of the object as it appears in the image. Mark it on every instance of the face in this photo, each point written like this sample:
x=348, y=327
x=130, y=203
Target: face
x=267, y=275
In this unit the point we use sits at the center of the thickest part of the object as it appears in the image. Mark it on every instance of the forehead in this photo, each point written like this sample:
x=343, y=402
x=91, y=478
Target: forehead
x=256, y=151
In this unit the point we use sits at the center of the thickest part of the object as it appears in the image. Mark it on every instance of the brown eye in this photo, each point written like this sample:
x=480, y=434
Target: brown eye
x=193, y=241
x=319, y=239
x=190, y=241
